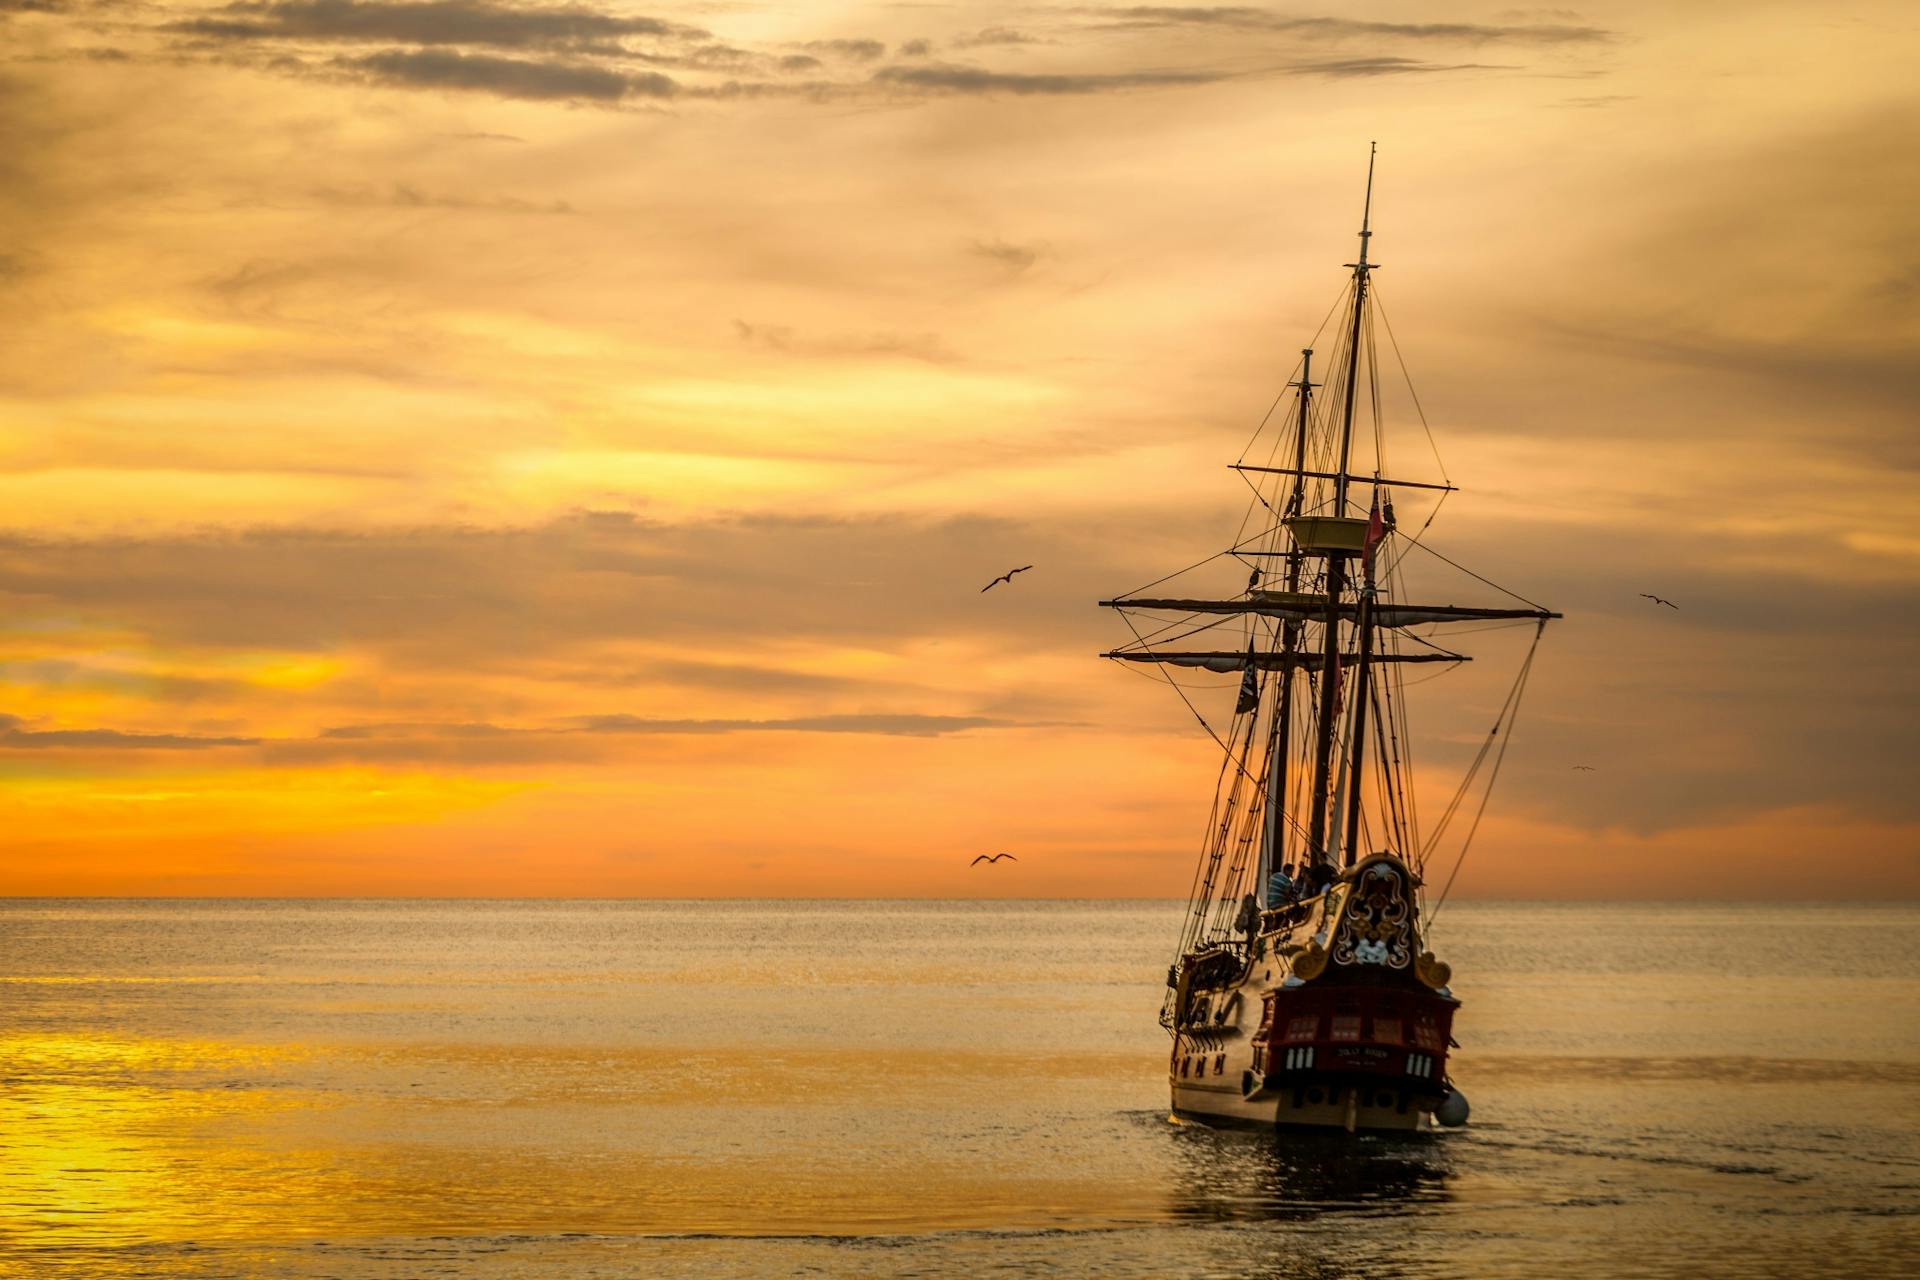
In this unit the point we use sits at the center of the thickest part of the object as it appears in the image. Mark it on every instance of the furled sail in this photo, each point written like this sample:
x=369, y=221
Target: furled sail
x=1294, y=606
x=1271, y=661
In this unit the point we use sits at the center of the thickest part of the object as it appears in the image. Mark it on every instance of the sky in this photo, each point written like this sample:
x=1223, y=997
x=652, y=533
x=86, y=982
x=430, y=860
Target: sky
x=461, y=447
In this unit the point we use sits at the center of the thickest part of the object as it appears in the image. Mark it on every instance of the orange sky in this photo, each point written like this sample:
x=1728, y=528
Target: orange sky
x=486, y=448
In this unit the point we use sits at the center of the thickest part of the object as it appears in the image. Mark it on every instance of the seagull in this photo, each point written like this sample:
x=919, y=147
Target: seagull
x=1657, y=600
x=1006, y=577
x=995, y=858
x=1584, y=768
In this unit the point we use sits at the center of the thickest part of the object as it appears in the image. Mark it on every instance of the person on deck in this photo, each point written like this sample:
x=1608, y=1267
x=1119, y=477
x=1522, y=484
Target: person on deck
x=1248, y=921
x=1280, y=887
x=1315, y=879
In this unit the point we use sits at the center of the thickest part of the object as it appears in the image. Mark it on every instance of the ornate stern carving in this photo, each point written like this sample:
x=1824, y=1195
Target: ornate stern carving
x=1435, y=973
x=1377, y=925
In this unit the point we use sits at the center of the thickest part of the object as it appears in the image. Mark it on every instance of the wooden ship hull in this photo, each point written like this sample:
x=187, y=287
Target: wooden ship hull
x=1330, y=1017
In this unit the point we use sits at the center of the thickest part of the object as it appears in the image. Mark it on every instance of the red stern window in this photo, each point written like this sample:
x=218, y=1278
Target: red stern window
x=1346, y=1026
x=1302, y=1028
x=1386, y=1030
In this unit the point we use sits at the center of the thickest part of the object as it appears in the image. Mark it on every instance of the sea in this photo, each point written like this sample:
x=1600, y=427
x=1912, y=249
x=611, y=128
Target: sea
x=406, y=1089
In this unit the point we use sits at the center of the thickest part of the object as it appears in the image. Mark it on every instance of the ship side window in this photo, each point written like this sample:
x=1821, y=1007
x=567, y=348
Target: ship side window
x=1185, y=1064
x=1346, y=1026
x=1302, y=1028
x=1386, y=1030
x=1425, y=1033
x=1220, y=1065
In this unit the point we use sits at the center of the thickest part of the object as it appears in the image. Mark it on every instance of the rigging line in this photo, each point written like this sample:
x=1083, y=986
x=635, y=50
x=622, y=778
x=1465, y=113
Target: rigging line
x=1230, y=551
x=1135, y=669
x=1387, y=745
x=1266, y=417
x=1373, y=398
x=1220, y=620
x=1402, y=359
x=1525, y=671
x=1473, y=770
x=1196, y=714
x=1312, y=342
x=1259, y=497
x=1176, y=573
x=1471, y=574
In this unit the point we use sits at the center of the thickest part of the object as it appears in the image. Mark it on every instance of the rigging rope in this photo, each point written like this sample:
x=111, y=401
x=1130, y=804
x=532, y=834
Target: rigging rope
x=1510, y=713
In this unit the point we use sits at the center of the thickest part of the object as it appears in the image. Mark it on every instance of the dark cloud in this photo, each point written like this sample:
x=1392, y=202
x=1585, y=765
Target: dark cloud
x=583, y=740
x=948, y=78
x=15, y=736
x=507, y=77
x=856, y=50
x=403, y=196
x=1349, y=67
x=928, y=347
x=916, y=48
x=1014, y=257
x=992, y=36
x=799, y=62
x=429, y=22
x=518, y=598
x=1340, y=28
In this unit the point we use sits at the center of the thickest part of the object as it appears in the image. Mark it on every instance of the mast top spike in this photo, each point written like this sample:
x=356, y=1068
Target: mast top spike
x=1366, y=211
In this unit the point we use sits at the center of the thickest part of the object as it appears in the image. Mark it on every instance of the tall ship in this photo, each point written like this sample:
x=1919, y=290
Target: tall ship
x=1303, y=992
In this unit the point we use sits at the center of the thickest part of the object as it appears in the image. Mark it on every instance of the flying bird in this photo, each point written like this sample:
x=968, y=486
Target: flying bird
x=1658, y=600
x=1006, y=577
x=995, y=858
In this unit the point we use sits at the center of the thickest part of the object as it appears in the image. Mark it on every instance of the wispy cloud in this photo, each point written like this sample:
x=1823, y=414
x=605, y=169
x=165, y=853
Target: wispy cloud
x=15, y=735
x=508, y=77
x=1250, y=18
x=429, y=22
x=951, y=78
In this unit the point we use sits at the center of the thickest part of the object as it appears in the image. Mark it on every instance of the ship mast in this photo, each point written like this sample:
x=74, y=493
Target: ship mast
x=1289, y=644
x=1323, y=762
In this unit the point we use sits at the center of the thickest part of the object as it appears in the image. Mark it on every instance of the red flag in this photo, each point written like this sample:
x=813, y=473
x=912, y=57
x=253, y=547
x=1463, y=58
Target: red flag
x=1376, y=530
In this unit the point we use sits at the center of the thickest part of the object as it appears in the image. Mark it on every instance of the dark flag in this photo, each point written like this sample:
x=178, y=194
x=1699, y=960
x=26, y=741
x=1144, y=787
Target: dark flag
x=1249, y=687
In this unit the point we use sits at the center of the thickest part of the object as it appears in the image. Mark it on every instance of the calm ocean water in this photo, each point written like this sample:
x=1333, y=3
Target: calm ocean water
x=641, y=1089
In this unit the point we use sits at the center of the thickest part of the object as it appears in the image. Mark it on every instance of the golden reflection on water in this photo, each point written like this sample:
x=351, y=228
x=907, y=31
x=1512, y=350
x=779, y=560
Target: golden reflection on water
x=104, y=1135
x=120, y=1140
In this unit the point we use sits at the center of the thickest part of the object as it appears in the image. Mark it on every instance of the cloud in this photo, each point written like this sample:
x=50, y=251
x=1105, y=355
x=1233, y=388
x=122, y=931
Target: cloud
x=1350, y=67
x=992, y=36
x=402, y=195
x=14, y=736
x=508, y=77
x=1015, y=257
x=950, y=78
x=855, y=50
x=927, y=347
x=430, y=22
x=1248, y=18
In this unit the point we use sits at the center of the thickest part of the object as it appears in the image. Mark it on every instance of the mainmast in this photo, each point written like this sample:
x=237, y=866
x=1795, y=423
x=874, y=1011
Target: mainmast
x=1323, y=762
